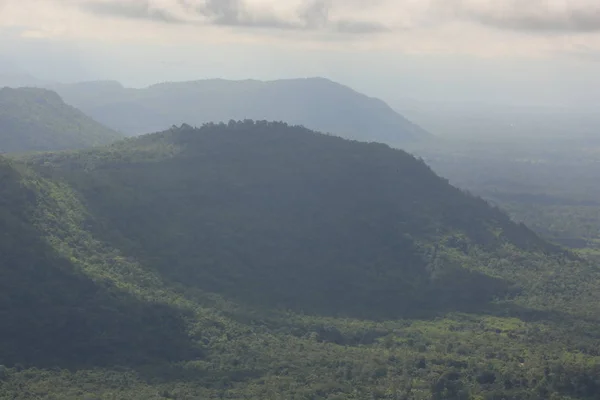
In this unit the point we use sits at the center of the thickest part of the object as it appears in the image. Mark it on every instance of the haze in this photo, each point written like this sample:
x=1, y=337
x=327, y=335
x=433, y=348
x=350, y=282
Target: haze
x=476, y=51
x=299, y=199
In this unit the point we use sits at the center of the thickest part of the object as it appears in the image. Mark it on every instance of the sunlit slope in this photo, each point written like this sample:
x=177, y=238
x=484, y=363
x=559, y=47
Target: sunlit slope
x=54, y=311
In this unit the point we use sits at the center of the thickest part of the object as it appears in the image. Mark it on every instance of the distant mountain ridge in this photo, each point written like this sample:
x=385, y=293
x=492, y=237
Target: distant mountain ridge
x=15, y=80
x=11, y=75
x=33, y=119
x=316, y=103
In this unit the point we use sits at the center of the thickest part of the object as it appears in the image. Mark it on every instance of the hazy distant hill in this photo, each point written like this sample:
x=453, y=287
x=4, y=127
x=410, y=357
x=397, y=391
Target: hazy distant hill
x=12, y=75
x=37, y=119
x=315, y=103
x=15, y=80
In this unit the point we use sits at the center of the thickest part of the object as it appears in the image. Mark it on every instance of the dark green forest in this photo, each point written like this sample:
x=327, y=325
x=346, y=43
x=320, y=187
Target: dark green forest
x=34, y=119
x=258, y=260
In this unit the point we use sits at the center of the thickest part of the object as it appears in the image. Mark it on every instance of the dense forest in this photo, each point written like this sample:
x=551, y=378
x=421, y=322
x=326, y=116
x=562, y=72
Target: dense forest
x=34, y=119
x=258, y=260
x=551, y=186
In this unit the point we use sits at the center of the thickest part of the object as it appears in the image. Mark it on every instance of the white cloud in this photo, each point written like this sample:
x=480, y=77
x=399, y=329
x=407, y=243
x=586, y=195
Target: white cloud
x=541, y=16
x=483, y=27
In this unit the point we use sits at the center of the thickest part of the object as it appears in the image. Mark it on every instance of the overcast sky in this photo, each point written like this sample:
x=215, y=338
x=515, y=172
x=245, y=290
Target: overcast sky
x=507, y=51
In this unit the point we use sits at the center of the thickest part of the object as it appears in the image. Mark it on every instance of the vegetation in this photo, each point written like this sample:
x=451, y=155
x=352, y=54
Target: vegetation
x=256, y=260
x=550, y=186
x=38, y=120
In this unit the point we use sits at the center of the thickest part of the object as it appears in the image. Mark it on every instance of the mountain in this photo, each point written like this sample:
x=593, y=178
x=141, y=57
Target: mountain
x=315, y=103
x=262, y=260
x=37, y=119
x=16, y=80
x=54, y=314
x=261, y=197
x=12, y=75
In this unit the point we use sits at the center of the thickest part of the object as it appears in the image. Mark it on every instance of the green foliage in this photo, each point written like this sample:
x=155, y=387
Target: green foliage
x=263, y=261
x=38, y=120
x=550, y=185
x=51, y=312
x=572, y=225
x=276, y=215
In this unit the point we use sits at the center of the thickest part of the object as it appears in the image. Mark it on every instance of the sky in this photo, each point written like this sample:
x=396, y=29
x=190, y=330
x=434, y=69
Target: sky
x=492, y=51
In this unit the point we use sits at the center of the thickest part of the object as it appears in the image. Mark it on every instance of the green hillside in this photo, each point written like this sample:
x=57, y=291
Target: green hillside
x=260, y=260
x=38, y=120
x=52, y=312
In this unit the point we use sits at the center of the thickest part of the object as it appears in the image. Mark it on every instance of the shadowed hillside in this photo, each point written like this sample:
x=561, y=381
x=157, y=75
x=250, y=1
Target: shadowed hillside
x=280, y=216
x=52, y=313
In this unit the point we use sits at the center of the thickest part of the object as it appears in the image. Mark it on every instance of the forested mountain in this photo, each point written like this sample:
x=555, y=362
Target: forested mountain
x=315, y=103
x=52, y=313
x=34, y=119
x=261, y=260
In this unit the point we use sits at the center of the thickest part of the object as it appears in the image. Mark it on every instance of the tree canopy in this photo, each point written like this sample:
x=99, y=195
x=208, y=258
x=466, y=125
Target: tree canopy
x=260, y=260
x=38, y=120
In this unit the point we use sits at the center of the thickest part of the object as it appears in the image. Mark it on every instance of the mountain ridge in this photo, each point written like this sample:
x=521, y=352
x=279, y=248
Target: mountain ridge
x=35, y=119
x=317, y=103
x=11, y=75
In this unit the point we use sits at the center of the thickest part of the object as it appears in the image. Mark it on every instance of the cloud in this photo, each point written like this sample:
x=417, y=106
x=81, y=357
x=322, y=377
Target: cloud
x=359, y=16
x=524, y=28
x=224, y=12
x=533, y=16
x=130, y=9
x=315, y=14
x=306, y=15
x=359, y=27
x=238, y=13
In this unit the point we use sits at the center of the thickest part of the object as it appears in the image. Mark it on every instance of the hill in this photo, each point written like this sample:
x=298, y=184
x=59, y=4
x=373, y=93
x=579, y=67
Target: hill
x=315, y=103
x=38, y=120
x=52, y=313
x=15, y=80
x=272, y=195
x=270, y=261
x=12, y=75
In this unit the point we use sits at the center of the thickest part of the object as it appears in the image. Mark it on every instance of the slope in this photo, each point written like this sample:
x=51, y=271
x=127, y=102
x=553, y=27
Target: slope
x=52, y=313
x=304, y=266
x=316, y=103
x=272, y=214
x=37, y=120
x=12, y=75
